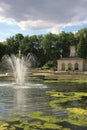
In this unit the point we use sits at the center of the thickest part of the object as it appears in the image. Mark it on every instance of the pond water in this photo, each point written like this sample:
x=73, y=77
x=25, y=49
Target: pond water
x=37, y=106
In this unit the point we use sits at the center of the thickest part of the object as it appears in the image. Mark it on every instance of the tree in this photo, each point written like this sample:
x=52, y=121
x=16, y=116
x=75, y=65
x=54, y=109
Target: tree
x=64, y=44
x=25, y=45
x=33, y=45
x=47, y=48
x=3, y=50
x=49, y=43
x=80, y=33
x=14, y=43
x=82, y=47
x=37, y=49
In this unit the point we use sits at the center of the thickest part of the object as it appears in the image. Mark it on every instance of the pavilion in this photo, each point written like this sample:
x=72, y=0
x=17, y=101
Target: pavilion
x=72, y=63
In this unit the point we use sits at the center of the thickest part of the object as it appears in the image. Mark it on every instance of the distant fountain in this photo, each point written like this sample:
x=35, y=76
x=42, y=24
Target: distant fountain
x=19, y=66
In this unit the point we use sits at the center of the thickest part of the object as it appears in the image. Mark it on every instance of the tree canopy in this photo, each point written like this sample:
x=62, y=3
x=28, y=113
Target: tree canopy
x=48, y=47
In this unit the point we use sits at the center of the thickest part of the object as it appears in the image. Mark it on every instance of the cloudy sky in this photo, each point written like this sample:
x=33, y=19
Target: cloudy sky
x=41, y=16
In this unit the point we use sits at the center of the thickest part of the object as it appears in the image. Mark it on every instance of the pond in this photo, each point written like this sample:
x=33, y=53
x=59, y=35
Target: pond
x=43, y=106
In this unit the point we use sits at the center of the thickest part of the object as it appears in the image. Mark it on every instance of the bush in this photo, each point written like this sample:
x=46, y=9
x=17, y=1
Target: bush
x=49, y=65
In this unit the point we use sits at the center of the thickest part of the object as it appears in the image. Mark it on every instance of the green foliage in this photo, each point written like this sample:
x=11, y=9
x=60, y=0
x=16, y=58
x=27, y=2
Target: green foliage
x=3, y=50
x=46, y=47
x=49, y=65
x=14, y=43
x=64, y=43
x=82, y=47
x=50, y=46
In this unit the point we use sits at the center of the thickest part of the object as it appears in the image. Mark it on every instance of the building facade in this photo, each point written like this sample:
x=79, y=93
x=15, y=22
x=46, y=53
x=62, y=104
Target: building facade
x=72, y=63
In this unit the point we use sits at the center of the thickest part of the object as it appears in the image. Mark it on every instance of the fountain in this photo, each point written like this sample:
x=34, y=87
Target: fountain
x=19, y=66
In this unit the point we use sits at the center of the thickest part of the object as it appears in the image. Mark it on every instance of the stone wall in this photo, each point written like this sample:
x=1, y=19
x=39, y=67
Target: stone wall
x=73, y=64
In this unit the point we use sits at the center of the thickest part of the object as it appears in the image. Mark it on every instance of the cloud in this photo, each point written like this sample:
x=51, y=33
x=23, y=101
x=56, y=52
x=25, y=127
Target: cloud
x=51, y=15
x=37, y=24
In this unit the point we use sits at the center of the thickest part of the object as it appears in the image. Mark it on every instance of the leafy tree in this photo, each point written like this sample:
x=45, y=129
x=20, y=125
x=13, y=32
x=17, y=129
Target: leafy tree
x=82, y=47
x=80, y=33
x=36, y=48
x=3, y=50
x=47, y=48
x=14, y=43
x=25, y=45
x=33, y=45
x=49, y=43
x=64, y=44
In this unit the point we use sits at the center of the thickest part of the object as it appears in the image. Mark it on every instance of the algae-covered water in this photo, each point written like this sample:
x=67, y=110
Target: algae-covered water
x=37, y=106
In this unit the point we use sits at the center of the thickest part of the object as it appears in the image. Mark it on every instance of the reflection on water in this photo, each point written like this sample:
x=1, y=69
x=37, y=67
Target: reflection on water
x=20, y=99
x=34, y=97
x=26, y=98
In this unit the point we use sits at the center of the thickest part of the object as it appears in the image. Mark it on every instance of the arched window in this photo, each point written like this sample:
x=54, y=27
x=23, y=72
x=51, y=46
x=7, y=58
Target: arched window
x=62, y=66
x=76, y=66
x=69, y=66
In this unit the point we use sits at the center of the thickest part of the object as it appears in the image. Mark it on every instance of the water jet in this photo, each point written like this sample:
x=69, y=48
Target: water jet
x=19, y=65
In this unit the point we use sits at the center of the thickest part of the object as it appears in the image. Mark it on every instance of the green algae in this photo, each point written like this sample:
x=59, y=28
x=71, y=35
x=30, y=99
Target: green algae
x=46, y=126
x=38, y=115
x=75, y=115
x=52, y=126
x=38, y=120
x=13, y=119
x=46, y=122
x=3, y=125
